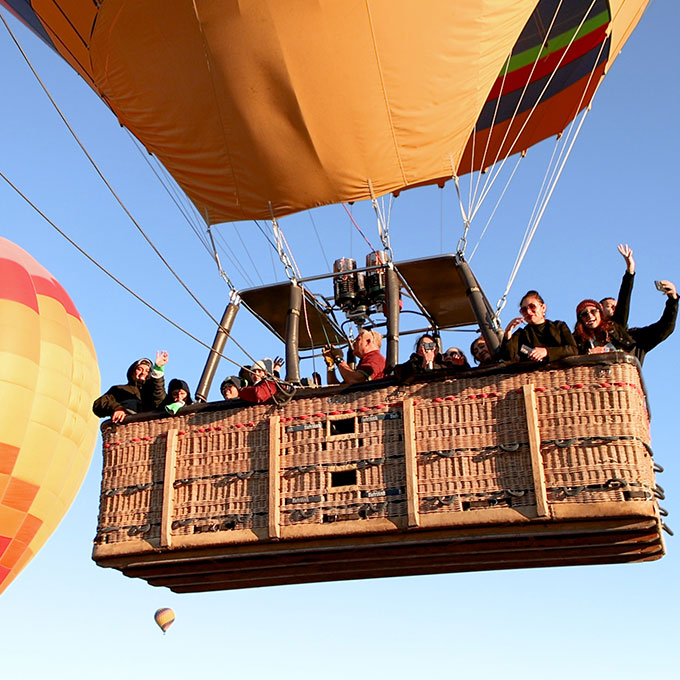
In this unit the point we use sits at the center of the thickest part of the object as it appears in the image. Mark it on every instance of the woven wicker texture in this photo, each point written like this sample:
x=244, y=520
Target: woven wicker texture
x=343, y=457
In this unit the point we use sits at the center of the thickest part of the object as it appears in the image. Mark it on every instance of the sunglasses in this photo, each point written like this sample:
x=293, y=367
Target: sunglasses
x=454, y=353
x=427, y=345
x=531, y=306
x=589, y=312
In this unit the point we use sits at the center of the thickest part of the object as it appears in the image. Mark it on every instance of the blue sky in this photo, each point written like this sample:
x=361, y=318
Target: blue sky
x=65, y=617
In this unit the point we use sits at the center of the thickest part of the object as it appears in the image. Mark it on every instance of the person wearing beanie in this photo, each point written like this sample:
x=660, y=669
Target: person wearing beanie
x=230, y=387
x=144, y=390
x=179, y=395
x=595, y=334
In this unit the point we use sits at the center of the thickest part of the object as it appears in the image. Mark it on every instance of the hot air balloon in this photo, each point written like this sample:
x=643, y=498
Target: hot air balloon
x=260, y=109
x=164, y=618
x=48, y=378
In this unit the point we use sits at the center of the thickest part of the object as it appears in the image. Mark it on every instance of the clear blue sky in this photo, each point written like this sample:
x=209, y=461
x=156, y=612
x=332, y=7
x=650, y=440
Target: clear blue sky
x=66, y=618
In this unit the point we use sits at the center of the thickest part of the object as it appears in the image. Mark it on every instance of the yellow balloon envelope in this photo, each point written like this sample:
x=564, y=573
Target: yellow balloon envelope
x=164, y=617
x=48, y=380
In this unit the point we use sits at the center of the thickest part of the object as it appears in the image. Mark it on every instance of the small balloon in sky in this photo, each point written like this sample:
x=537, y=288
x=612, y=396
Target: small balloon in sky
x=164, y=617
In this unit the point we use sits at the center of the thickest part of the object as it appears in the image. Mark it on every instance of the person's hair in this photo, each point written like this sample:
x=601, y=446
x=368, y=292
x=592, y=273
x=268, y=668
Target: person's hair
x=533, y=294
x=604, y=299
x=601, y=334
x=422, y=337
x=474, y=342
x=375, y=336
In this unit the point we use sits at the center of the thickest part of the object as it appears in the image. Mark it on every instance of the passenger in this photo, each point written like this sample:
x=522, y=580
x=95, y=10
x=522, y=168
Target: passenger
x=540, y=339
x=425, y=358
x=646, y=338
x=179, y=395
x=455, y=357
x=366, y=348
x=144, y=391
x=618, y=309
x=230, y=387
x=595, y=334
x=263, y=389
x=480, y=352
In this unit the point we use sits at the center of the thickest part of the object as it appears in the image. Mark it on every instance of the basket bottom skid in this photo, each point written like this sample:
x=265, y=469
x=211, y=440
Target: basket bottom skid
x=402, y=554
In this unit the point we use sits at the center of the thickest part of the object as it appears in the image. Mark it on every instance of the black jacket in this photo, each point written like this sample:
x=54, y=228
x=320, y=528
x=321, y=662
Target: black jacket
x=555, y=336
x=135, y=397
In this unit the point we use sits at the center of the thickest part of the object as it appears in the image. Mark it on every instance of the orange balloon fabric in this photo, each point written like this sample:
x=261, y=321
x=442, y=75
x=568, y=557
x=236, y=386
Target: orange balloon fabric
x=48, y=379
x=268, y=107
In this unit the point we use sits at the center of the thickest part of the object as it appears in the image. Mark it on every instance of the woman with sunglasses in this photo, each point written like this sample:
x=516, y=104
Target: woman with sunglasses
x=454, y=358
x=595, y=334
x=426, y=358
x=540, y=339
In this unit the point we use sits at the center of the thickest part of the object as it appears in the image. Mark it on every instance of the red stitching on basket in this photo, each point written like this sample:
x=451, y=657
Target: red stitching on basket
x=472, y=396
x=107, y=446
x=135, y=439
x=349, y=410
x=438, y=399
x=396, y=404
x=363, y=409
x=218, y=427
x=579, y=384
x=540, y=389
x=304, y=416
x=181, y=432
x=451, y=397
x=565, y=387
x=605, y=384
x=380, y=406
x=319, y=415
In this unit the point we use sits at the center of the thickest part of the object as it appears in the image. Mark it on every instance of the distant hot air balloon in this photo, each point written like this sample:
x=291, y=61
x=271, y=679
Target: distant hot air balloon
x=164, y=617
x=48, y=379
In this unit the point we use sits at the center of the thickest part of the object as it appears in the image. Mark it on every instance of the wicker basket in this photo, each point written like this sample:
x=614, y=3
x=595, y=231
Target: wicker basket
x=501, y=448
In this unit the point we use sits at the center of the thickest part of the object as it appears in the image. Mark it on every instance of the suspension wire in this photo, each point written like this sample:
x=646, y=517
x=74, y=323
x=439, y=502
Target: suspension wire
x=553, y=183
x=383, y=225
x=498, y=202
x=318, y=238
x=536, y=104
x=473, y=195
x=462, y=241
x=441, y=221
x=231, y=256
x=358, y=228
x=216, y=256
x=250, y=257
x=546, y=40
x=116, y=280
x=185, y=207
x=106, y=182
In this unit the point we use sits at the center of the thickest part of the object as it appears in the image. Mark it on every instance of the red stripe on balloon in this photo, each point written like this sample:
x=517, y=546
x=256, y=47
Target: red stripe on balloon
x=50, y=288
x=16, y=284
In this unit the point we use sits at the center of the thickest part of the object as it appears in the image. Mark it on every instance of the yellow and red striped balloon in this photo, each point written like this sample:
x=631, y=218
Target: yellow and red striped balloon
x=164, y=617
x=48, y=379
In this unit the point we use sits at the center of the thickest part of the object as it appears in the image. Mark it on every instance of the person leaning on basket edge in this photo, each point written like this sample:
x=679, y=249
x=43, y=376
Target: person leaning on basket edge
x=144, y=390
x=366, y=348
x=540, y=340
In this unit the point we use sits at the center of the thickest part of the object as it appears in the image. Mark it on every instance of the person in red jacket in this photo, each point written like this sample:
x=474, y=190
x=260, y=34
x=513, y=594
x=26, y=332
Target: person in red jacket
x=366, y=348
x=263, y=389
